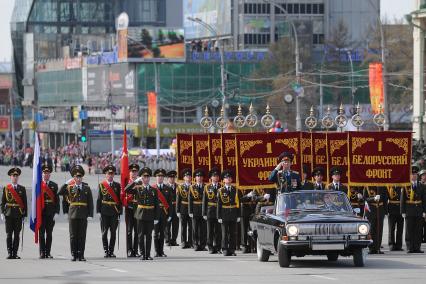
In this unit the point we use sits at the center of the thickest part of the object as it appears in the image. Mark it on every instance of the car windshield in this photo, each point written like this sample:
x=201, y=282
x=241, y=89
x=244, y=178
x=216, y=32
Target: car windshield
x=332, y=201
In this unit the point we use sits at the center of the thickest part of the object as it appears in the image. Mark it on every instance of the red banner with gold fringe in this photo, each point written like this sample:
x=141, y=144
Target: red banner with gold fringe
x=379, y=158
x=215, y=150
x=319, y=150
x=228, y=152
x=306, y=154
x=337, y=146
x=184, y=153
x=200, y=152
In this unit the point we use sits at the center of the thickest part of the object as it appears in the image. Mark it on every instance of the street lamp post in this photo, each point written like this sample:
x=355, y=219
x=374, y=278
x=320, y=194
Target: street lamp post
x=222, y=59
x=352, y=77
x=296, y=52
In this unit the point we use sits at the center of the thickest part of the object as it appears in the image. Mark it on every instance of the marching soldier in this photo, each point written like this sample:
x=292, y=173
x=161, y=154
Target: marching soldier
x=51, y=207
x=306, y=183
x=336, y=185
x=228, y=213
x=248, y=206
x=182, y=209
x=377, y=199
x=80, y=209
x=422, y=175
x=195, y=211
x=210, y=212
x=131, y=205
x=395, y=220
x=172, y=228
x=286, y=179
x=147, y=210
x=164, y=214
x=413, y=208
x=318, y=174
x=108, y=207
x=14, y=210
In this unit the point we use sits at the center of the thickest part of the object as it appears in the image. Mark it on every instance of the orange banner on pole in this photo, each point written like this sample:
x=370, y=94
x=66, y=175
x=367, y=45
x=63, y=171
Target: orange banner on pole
x=152, y=110
x=376, y=86
x=122, y=45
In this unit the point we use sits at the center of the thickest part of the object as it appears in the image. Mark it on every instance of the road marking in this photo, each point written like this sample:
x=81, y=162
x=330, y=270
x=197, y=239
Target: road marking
x=323, y=277
x=118, y=270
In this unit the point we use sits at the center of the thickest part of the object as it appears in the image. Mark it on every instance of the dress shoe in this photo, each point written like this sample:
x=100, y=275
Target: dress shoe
x=157, y=255
x=9, y=256
x=398, y=249
x=42, y=256
x=111, y=254
x=148, y=258
x=380, y=252
x=16, y=256
x=74, y=258
x=142, y=258
x=106, y=255
x=211, y=251
x=225, y=253
x=418, y=251
x=410, y=251
x=372, y=252
x=81, y=258
x=49, y=256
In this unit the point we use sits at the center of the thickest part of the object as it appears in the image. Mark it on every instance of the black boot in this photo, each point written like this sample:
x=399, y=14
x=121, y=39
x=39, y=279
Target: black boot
x=106, y=255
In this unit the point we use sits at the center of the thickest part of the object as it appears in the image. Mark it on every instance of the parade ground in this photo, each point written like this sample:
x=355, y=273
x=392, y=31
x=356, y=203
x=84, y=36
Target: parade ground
x=185, y=266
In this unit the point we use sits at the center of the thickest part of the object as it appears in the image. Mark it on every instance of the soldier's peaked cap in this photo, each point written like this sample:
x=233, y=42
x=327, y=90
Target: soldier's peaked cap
x=186, y=172
x=227, y=174
x=285, y=156
x=145, y=171
x=199, y=173
x=214, y=172
x=134, y=167
x=77, y=169
x=336, y=171
x=14, y=171
x=415, y=169
x=172, y=174
x=109, y=168
x=46, y=168
x=318, y=171
x=160, y=172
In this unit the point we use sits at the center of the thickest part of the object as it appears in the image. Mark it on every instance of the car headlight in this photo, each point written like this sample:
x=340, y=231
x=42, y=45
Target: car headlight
x=292, y=230
x=363, y=229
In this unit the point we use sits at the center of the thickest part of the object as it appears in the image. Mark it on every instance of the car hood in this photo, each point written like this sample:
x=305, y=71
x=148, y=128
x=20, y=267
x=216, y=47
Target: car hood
x=322, y=217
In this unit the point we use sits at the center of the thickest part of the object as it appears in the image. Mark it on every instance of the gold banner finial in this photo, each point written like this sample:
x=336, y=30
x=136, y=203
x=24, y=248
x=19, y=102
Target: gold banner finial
x=268, y=119
x=328, y=121
x=206, y=121
x=341, y=120
x=311, y=121
x=239, y=120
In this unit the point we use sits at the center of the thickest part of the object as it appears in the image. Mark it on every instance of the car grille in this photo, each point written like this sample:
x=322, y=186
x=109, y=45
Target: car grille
x=328, y=229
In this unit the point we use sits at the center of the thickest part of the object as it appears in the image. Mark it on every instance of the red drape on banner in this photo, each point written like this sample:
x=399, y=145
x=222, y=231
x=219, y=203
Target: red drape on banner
x=337, y=146
x=306, y=152
x=376, y=86
x=200, y=152
x=215, y=150
x=183, y=153
x=124, y=166
x=152, y=109
x=228, y=152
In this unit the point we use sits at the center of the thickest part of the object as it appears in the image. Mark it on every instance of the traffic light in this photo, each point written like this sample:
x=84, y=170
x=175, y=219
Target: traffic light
x=84, y=126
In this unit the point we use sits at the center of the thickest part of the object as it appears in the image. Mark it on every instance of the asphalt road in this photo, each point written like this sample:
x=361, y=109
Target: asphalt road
x=187, y=266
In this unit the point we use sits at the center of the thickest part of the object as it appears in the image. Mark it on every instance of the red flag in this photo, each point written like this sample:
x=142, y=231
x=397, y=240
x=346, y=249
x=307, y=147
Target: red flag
x=125, y=175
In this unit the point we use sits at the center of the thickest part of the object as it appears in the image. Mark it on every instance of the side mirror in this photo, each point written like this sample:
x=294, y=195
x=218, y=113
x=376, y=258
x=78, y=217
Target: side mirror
x=357, y=210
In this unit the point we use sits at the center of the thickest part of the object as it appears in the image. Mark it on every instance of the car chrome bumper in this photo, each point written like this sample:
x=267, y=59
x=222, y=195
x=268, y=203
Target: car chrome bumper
x=319, y=245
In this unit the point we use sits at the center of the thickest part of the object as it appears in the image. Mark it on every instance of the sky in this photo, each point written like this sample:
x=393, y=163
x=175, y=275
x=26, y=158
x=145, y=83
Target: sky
x=390, y=9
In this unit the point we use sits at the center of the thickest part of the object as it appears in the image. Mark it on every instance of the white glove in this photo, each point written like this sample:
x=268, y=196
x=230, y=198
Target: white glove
x=24, y=219
x=99, y=214
x=377, y=198
x=2, y=217
x=404, y=215
x=178, y=214
x=220, y=221
x=155, y=222
x=267, y=196
x=359, y=195
x=250, y=194
x=169, y=219
x=238, y=220
x=66, y=215
x=54, y=216
x=424, y=215
x=89, y=218
x=139, y=179
x=191, y=215
x=205, y=218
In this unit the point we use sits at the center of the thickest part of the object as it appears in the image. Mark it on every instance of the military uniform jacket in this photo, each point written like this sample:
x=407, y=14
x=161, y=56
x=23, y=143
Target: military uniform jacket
x=338, y=187
x=261, y=201
x=353, y=197
x=147, y=198
x=51, y=207
x=105, y=204
x=413, y=200
x=182, y=196
x=9, y=206
x=394, y=201
x=283, y=180
x=168, y=195
x=210, y=201
x=80, y=201
x=195, y=199
x=227, y=209
x=307, y=185
x=370, y=192
x=320, y=186
x=173, y=189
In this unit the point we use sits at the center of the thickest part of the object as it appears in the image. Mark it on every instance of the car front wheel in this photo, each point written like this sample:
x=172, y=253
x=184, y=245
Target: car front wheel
x=359, y=257
x=284, y=256
x=262, y=255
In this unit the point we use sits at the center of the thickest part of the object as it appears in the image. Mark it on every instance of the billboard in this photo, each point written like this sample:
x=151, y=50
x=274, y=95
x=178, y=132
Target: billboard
x=4, y=123
x=155, y=44
x=216, y=13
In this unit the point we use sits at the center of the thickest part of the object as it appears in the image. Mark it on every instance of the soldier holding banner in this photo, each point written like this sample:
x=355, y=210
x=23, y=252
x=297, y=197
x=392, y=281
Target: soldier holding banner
x=195, y=201
x=318, y=174
x=172, y=228
x=395, y=220
x=51, y=207
x=210, y=198
x=14, y=210
x=286, y=179
x=377, y=199
x=413, y=209
x=182, y=209
x=131, y=224
x=248, y=206
x=108, y=207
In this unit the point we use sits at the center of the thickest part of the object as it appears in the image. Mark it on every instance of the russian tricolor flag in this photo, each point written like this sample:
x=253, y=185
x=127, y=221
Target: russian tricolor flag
x=36, y=200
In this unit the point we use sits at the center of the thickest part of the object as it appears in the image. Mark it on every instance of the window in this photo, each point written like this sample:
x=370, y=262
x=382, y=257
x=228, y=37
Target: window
x=315, y=9
x=321, y=8
x=296, y=8
x=308, y=8
x=318, y=39
x=250, y=8
x=302, y=8
x=290, y=8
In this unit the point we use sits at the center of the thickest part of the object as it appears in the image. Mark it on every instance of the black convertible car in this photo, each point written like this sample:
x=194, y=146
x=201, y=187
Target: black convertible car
x=310, y=223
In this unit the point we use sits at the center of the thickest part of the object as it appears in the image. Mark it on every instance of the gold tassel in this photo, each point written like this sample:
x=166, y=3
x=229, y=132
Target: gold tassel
x=237, y=199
